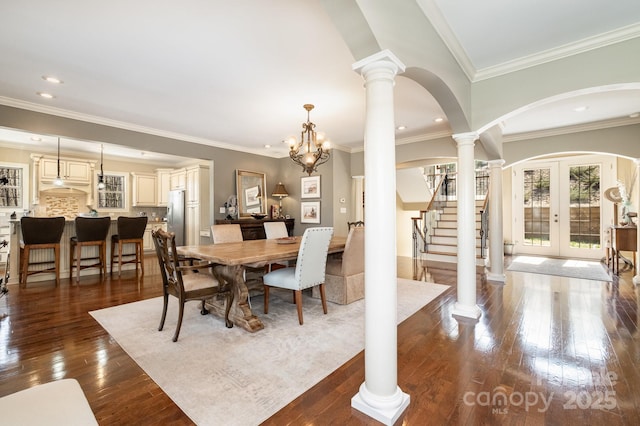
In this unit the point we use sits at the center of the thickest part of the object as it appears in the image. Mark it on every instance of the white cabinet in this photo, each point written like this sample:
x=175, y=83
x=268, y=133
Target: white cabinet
x=197, y=203
x=77, y=171
x=144, y=189
x=147, y=239
x=164, y=186
x=178, y=179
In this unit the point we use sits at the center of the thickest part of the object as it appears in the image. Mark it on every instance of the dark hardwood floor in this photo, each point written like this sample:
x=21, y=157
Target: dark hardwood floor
x=561, y=351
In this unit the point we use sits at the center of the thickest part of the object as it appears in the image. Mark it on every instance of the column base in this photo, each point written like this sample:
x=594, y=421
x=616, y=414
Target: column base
x=496, y=277
x=466, y=311
x=636, y=279
x=386, y=410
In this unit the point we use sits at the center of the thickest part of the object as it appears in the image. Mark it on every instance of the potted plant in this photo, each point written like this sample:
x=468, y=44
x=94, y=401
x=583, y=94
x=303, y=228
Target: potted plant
x=508, y=248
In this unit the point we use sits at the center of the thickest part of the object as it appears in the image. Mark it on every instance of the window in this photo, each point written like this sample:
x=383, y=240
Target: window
x=13, y=187
x=114, y=196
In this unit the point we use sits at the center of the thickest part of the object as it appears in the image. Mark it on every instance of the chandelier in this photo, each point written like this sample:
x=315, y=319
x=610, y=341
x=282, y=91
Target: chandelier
x=312, y=149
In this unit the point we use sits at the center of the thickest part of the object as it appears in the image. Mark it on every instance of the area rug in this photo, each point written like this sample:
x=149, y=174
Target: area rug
x=232, y=377
x=572, y=268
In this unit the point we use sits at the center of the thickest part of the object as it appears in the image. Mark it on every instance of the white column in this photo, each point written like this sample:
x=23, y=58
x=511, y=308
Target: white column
x=466, y=304
x=636, y=278
x=496, y=241
x=379, y=396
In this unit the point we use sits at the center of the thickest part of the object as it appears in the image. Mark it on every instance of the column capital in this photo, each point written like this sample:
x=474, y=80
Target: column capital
x=637, y=161
x=496, y=163
x=384, y=58
x=465, y=138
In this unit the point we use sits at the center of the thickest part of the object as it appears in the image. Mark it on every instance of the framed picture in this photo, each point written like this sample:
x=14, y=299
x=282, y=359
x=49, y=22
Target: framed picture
x=310, y=187
x=310, y=212
x=251, y=195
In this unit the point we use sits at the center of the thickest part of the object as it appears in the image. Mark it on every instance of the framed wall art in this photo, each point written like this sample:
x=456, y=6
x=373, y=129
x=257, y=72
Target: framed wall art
x=310, y=187
x=310, y=212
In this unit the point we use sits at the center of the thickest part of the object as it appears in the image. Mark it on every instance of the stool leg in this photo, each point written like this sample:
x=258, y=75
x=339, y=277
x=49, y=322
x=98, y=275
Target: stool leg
x=79, y=258
x=119, y=258
x=141, y=258
x=72, y=248
x=56, y=251
x=113, y=247
x=24, y=265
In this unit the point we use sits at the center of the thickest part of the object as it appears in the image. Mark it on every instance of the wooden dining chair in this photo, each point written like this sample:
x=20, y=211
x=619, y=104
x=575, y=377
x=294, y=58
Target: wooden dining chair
x=90, y=232
x=130, y=231
x=186, y=282
x=40, y=233
x=308, y=272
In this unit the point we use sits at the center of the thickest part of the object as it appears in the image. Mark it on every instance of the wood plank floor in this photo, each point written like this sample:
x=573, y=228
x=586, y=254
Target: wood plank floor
x=563, y=351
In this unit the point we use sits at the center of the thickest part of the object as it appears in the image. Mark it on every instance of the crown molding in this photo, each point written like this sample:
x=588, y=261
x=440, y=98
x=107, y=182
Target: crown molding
x=586, y=127
x=127, y=126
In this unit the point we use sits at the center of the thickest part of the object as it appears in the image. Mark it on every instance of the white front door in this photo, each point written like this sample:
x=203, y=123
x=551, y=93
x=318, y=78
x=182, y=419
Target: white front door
x=558, y=206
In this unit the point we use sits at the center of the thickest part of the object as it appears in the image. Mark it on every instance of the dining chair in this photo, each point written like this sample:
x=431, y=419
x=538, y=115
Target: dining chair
x=90, y=232
x=232, y=233
x=186, y=282
x=355, y=224
x=130, y=231
x=344, y=277
x=308, y=272
x=40, y=233
x=275, y=230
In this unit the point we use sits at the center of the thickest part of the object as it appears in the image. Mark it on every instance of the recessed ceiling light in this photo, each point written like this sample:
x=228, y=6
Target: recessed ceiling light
x=52, y=79
x=581, y=108
x=634, y=115
x=267, y=146
x=36, y=138
x=401, y=127
x=45, y=95
x=438, y=119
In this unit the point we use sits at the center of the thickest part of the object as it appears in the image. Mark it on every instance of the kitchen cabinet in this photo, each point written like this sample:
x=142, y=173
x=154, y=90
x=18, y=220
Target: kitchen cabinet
x=178, y=179
x=76, y=171
x=197, y=217
x=147, y=239
x=164, y=186
x=144, y=189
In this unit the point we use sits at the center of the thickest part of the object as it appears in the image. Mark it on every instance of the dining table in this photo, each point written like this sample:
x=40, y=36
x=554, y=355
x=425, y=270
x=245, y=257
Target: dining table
x=230, y=261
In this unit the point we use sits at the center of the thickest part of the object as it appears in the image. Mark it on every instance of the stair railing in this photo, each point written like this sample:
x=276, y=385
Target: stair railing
x=484, y=226
x=422, y=224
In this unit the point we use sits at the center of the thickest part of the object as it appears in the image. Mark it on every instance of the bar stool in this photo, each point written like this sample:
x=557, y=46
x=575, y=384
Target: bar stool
x=90, y=231
x=40, y=233
x=130, y=231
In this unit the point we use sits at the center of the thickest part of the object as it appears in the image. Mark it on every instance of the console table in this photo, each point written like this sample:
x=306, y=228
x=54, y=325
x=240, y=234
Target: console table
x=253, y=229
x=623, y=238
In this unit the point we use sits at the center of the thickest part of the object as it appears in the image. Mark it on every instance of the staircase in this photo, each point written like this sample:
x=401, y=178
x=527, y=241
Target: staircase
x=441, y=233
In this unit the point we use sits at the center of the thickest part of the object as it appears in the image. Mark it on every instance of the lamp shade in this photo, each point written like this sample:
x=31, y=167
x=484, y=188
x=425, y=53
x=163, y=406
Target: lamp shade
x=280, y=191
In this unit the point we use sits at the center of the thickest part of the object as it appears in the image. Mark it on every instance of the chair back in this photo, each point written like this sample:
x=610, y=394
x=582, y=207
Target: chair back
x=130, y=228
x=274, y=230
x=165, y=244
x=312, y=256
x=353, y=255
x=355, y=224
x=92, y=228
x=226, y=233
x=42, y=230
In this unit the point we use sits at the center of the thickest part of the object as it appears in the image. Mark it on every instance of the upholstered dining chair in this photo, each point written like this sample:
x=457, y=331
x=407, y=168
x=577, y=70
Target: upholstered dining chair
x=232, y=233
x=40, y=233
x=90, y=231
x=186, y=282
x=308, y=272
x=344, y=277
x=274, y=230
x=130, y=231
x=355, y=224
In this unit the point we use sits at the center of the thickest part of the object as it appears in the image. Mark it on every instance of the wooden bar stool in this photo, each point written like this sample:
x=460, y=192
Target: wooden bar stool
x=130, y=231
x=40, y=233
x=90, y=231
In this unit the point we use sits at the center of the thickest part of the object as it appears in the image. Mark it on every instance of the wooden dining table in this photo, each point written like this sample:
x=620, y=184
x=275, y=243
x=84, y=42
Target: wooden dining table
x=233, y=258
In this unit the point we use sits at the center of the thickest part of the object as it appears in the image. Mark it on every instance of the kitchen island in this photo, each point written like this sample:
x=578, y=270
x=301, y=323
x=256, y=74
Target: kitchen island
x=69, y=231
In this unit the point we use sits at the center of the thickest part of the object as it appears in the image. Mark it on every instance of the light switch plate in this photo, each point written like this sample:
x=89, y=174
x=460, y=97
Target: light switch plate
x=223, y=210
x=343, y=209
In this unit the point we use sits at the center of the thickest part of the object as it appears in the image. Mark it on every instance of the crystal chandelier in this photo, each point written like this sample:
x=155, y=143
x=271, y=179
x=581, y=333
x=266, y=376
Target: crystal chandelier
x=312, y=149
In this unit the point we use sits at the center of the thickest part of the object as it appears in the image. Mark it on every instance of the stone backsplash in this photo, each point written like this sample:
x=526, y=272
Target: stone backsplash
x=56, y=205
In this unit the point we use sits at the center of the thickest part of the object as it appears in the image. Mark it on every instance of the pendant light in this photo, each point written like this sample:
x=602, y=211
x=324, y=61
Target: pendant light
x=101, y=184
x=58, y=181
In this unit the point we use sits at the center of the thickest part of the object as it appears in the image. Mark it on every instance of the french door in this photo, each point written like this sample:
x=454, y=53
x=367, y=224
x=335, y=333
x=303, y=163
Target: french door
x=558, y=206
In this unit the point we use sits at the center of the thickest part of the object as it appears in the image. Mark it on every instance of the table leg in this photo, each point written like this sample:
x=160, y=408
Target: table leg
x=240, y=314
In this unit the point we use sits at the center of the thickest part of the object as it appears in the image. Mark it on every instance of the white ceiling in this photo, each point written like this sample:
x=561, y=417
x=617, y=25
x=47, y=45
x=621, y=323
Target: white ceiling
x=236, y=73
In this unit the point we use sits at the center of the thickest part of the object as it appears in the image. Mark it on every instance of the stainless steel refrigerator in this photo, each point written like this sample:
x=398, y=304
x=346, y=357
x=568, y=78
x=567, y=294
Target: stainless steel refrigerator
x=176, y=216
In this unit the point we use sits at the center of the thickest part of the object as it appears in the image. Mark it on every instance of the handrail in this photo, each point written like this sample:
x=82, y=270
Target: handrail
x=484, y=225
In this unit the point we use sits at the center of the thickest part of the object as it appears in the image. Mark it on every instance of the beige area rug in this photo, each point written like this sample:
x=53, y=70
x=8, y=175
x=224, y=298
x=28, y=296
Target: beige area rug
x=572, y=268
x=232, y=377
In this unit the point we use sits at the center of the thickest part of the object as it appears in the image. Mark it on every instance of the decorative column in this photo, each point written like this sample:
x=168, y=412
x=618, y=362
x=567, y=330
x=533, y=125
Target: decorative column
x=379, y=396
x=496, y=243
x=466, y=304
x=636, y=279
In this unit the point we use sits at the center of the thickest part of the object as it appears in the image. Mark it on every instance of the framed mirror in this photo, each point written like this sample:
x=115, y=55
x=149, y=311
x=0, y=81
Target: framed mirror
x=250, y=190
